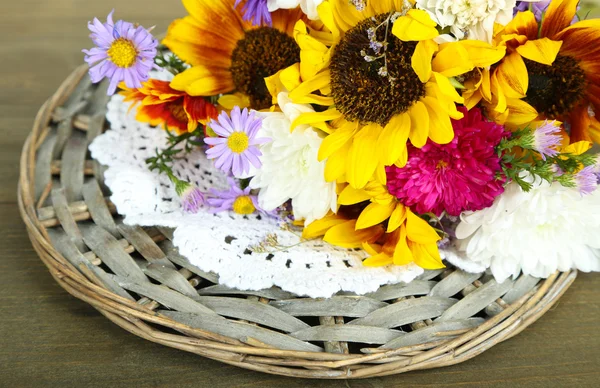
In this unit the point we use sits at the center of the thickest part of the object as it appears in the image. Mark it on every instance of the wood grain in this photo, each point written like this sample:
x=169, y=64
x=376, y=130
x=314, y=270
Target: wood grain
x=51, y=339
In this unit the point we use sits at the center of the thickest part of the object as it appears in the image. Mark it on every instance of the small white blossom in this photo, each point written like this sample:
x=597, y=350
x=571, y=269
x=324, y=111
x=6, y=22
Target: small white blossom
x=551, y=228
x=290, y=166
x=471, y=19
x=309, y=7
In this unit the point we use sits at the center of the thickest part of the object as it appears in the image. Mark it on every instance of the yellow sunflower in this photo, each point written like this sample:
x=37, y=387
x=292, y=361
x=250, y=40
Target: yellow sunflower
x=382, y=80
x=551, y=69
x=359, y=223
x=227, y=54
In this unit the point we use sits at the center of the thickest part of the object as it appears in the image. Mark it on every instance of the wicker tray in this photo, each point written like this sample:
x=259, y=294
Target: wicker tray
x=135, y=278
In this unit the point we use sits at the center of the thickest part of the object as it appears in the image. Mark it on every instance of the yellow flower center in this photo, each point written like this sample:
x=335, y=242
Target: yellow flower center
x=238, y=142
x=244, y=205
x=442, y=164
x=122, y=53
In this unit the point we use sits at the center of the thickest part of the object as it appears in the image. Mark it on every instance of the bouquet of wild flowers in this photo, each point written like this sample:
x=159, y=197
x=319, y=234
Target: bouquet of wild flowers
x=401, y=128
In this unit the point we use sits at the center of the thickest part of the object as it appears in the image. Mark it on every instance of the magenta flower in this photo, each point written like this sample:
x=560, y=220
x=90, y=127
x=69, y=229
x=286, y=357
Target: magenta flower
x=236, y=148
x=455, y=177
x=124, y=52
x=257, y=12
x=586, y=180
x=546, y=138
x=240, y=201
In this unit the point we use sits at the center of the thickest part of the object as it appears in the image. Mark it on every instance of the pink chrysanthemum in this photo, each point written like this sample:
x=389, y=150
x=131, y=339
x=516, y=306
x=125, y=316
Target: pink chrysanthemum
x=454, y=177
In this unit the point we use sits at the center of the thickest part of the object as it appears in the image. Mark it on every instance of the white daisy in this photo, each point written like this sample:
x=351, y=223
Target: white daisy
x=537, y=233
x=290, y=166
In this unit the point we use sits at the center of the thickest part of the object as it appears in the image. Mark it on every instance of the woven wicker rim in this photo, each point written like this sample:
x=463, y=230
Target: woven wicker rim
x=163, y=314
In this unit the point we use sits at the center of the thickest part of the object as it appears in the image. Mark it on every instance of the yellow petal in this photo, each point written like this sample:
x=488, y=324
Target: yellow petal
x=446, y=88
x=335, y=168
x=482, y=54
x=326, y=12
x=452, y=60
x=317, y=82
x=380, y=174
x=319, y=227
x=337, y=139
x=314, y=55
x=485, y=87
x=372, y=249
x=541, y=50
x=514, y=76
x=419, y=124
x=316, y=117
x=397, y=218
x=402, y=253
x=440, y=127
x=346, y=236
x=427, y=256
x=392, y=142
x=416, y=25
x=422, y=57
x=351, y=196
x=203, y=81
x=419, y=231
x=374, y=214
x=229, y=101
x=519, y=112
x=578, y=148
x=498, y=92
x=363, y=157
x=379, y=260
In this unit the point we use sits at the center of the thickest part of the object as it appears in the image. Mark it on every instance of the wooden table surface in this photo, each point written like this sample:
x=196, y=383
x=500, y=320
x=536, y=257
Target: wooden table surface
x=50, y=339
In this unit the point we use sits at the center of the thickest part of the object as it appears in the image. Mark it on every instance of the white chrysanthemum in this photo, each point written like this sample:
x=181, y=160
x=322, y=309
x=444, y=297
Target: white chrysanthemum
x=473, y=19
x=290, y=166
x=309, y=7
x=547, y=229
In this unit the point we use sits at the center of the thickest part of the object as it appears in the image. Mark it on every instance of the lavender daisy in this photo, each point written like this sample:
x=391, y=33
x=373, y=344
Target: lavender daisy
x=191, y=196
x=586, y=180
x=257, y=12
x=240, y=201
x=124, y=52
x=236, y=148
x=546, y=138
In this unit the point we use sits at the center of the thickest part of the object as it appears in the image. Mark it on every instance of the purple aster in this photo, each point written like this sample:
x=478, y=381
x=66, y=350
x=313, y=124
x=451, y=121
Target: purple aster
x=586, y=180
x=597, y=168
x=191, y=196
x=123, y=52
x=240, y=201
x=236, y=148
x=546, y=138
x=257, y=12
x=537, y=7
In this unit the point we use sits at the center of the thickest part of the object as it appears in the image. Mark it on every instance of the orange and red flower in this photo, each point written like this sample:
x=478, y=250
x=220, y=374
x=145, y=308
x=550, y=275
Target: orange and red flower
x=173, y=109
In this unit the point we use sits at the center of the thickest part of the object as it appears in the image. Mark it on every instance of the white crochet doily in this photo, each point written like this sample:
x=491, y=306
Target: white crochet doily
x=220, y=242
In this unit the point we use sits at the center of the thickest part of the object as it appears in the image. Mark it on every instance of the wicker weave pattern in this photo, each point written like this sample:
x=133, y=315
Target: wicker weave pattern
x=137, y=279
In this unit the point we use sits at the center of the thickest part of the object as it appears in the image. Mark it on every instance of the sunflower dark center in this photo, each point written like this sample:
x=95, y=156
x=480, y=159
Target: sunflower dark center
x=262, y=53
x=557, y=89
x=367, y=86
